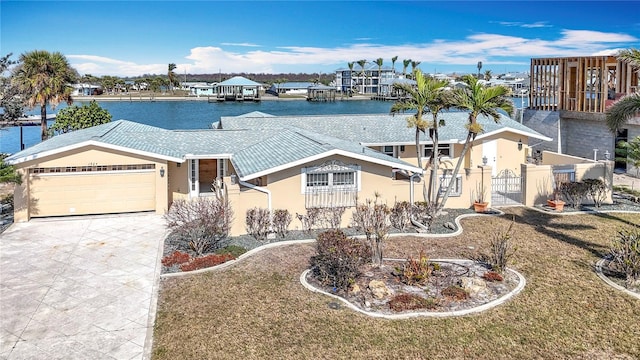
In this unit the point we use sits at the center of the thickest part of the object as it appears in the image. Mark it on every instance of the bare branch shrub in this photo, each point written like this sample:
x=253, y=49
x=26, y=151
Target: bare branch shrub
x=373, y=219
x=401, y=215
x=596, y=190
x=501, y=249
x=281, y=220
x=257, y=222
x=311, y=220
x=339, y=259
x=333, y=216
x=625, y=253
x=574, y=192
x=203, y=223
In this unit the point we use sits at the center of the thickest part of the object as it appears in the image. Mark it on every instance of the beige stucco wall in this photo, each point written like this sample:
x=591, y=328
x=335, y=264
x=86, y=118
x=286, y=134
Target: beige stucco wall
x=85, y=156
x=178, y=181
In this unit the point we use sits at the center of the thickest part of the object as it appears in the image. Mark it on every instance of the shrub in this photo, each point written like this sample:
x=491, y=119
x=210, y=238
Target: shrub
x=233, y=250
x=373, y=219
x=625, y=253
x=596, y=190
x=415, y=272
x=574, y=192
x=401, y=215
x=281, y=220
x=492, y=276
x=258, y=222
x=338, y=259
x=206, y=261
x=422, y=211
x=333, y=216
x=177, y=258
x=455, y=293
x=501, y=249
x=311, y=219
x=404, y=302
x=203, y=223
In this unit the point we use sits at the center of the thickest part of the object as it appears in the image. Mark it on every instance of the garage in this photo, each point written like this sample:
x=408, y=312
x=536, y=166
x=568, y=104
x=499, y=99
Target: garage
x=92, y=190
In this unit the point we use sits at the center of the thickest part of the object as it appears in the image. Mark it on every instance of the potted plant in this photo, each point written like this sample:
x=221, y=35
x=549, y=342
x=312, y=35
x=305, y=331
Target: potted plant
x=480, y=204
x=556, y=203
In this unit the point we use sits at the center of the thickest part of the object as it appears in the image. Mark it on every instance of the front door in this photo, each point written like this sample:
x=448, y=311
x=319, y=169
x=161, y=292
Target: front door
x=490, y=151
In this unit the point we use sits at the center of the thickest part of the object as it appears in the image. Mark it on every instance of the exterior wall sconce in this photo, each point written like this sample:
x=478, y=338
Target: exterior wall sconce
x=519, y=144
x=607, y=155
x=484, y=160
x=161, y=171
x=401, y=148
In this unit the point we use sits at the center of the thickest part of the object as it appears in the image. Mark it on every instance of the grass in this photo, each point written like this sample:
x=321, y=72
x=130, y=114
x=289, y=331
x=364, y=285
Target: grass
x=257, y=308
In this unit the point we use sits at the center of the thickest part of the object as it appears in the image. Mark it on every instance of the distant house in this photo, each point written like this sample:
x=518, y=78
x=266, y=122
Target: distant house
x=86, y=90
x=238, y=88
x=363, y=81
x=290, y=88
x=202, y=89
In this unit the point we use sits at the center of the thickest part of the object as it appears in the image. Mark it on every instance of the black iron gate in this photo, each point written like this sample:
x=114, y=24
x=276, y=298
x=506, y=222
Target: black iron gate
x=506, y=189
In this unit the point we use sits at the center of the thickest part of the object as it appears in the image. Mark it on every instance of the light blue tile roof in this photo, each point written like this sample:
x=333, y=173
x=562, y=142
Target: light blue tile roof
x=239, y=81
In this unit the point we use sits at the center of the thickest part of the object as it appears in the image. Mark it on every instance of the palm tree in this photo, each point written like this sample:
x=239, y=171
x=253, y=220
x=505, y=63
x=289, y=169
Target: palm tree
x=43, y=79
x=7, y=172
x=477, y=100
x=427, y=96
x=172, y=76
x=362, y=63
x=628, y=106
x=393, y=63
x=405, y=64
x=488, y=75
x=379, y=62
x=350, y=65
x=414, y=67
x=629, y=152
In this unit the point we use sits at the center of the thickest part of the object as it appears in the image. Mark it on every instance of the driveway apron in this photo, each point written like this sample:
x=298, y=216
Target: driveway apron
x=80, y=287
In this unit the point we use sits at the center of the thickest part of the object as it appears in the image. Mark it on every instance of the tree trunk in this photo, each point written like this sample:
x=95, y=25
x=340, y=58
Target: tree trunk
x=43, y=122
x=455, y=172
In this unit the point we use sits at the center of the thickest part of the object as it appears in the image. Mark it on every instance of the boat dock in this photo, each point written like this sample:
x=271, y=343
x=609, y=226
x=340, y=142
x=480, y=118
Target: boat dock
x=33, y=120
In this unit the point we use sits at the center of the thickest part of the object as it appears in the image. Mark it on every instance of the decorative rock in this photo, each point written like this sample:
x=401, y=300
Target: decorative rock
x=472, y=285
x=378, y=289
x=355, y=289
x=449, y=225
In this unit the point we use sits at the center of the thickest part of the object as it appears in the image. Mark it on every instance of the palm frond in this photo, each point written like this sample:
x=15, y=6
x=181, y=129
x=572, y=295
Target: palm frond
x=622, y=111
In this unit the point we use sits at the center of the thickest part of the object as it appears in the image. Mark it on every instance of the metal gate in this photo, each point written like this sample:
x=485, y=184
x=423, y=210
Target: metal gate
x=506, y=189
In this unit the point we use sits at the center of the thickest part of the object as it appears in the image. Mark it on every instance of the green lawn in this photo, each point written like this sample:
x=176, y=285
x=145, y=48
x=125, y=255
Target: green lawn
x=257, y=309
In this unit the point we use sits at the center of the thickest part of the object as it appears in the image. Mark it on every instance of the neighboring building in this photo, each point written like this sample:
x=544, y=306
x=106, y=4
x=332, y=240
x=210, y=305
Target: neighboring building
x=363, y=81
x=238, y=88
x=290, y=88
x=202, y=89
x=274, y=162
x=86, y=90
x=568, y=100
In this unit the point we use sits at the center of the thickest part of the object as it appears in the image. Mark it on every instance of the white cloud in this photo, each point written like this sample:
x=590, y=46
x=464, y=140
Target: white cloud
x=240, y=44
x=491, y=49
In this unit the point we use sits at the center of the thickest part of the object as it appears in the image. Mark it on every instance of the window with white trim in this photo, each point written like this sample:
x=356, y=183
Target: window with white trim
x=445, y=150
x=456, y=190
x=389, y=150
x=332, y=184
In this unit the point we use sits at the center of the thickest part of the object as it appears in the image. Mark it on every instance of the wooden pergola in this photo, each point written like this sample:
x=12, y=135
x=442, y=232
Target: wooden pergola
x=582, y=84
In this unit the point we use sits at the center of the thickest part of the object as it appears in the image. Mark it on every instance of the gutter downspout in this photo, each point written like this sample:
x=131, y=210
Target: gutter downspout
x=413, y=221
x=258, y=188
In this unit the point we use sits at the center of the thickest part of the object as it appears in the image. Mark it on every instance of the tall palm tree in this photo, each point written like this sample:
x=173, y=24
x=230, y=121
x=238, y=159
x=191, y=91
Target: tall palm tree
x=427, y=96
x=171, y=76
x=350, y=65
x=628, y=106
x=477, y=100
x=393, y=63
x=379, y=62
x=405, y=64
x=362, y=63
x=414, y=67
x=488, y=75
x=43, y=79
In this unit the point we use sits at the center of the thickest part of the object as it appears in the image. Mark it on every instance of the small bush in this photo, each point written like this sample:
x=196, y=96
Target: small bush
x=203, y=223
x=333, y=216
x=311, y=220
x=454, y=292
x=501, y=249
x=258, y=222
x=281, y=220
x=373, y=219
x=401, y=215
x=596, y=190
x=206, y=261
x=405, y=302
x=338, y=259
x=492, y=276
x=233, y=250
x=625, y=253
x=415, y=271
x=177, y=258
x=574, y=192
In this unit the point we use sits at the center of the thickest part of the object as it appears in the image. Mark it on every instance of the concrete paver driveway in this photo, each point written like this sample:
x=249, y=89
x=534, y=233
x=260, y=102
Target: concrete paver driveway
x=79, y=287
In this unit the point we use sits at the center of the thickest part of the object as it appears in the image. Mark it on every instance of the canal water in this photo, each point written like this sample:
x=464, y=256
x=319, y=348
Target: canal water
x=199, y=114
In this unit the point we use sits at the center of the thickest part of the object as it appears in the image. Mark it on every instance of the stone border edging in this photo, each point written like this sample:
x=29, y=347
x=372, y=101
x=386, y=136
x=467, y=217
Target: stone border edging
x=477, y=309
x=604, y=278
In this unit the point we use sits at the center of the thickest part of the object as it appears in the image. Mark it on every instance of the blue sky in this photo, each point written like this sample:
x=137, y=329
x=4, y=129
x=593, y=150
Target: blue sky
x=128, y=38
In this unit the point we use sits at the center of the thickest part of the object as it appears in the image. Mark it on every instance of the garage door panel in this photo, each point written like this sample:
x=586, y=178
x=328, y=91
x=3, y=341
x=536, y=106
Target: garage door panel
x=92, y=193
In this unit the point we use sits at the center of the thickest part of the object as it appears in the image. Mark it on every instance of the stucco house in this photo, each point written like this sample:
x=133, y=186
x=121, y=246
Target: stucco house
x=275, y=162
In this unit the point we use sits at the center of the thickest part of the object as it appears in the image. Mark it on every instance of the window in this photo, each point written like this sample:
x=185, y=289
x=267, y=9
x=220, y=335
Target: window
x=86, y=168
x=332, y=184
x=344, y=178
x=101, y=168
x=389, y=150
x=37, y=170
x=456, y=190
x=444, y=150
x=314, y=180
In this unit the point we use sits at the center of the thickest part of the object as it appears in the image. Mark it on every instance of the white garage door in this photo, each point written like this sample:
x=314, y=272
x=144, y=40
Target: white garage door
x=76, y=193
